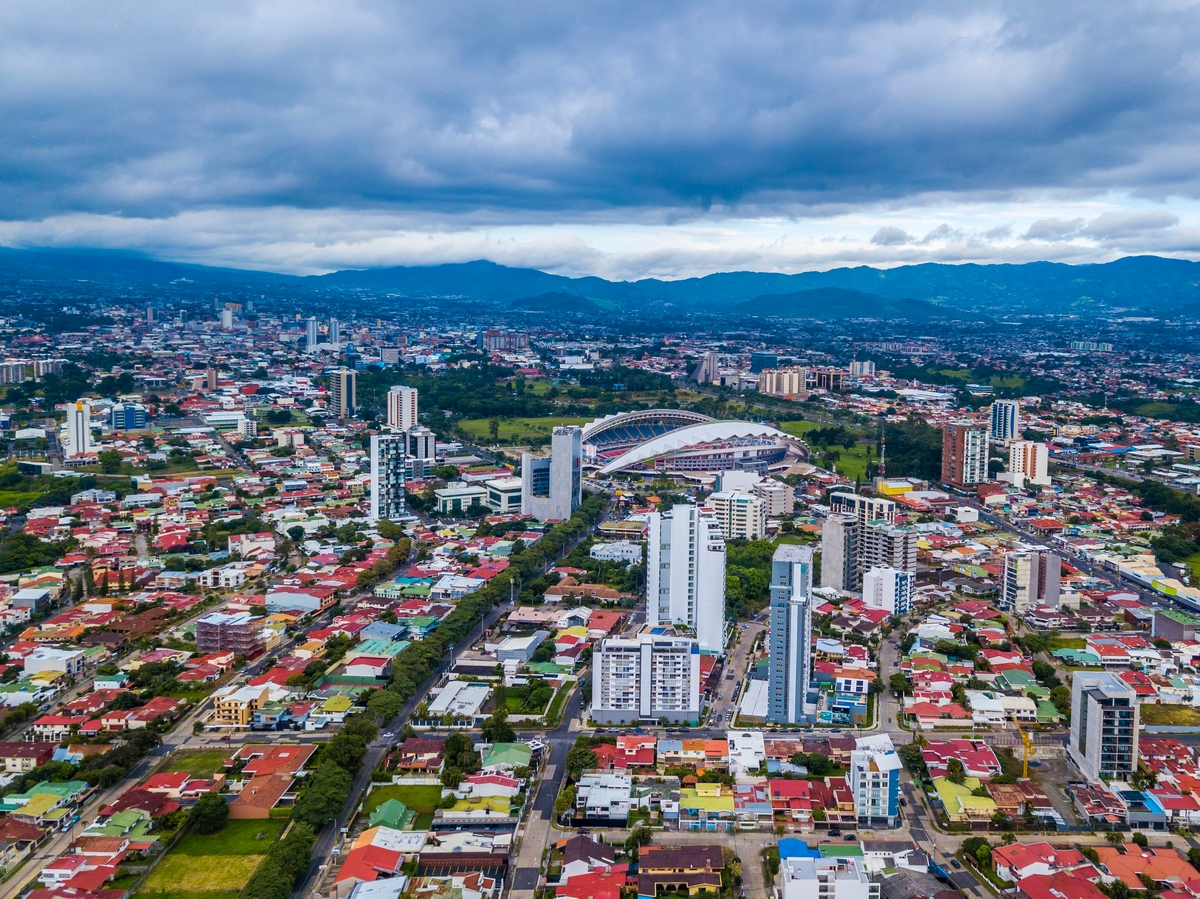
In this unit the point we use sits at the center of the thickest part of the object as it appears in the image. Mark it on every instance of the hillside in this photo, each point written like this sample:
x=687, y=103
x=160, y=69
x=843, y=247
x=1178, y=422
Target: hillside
x=836, y=302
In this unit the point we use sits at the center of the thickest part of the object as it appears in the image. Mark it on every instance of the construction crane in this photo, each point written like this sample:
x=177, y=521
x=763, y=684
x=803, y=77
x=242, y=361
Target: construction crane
x=1029, y=750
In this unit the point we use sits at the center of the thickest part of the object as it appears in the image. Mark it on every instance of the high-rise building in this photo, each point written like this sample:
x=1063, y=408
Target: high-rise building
x=708, y=369
x=862, y=369
x=685, y=573
x=402, y=408
x=790, y=673
x=79, y=430
x=494, y=340
x=779, y=499
x=741, y=516
x=1030, y=579
x=552, y=488
x=783, y=381
x=865, y=508
x=227, y=319
x=1104, y=726
x=335, y=331
x=312, y=338
x=388, y=460
x=761, y=361
x=874, y=779
x=212, y=378
x=883, y=544
x=890, y=589
x=964, y=454
x=646, y=678
x=127, y=417
x=342, y=384
x=248, y=428
x=1027, y=461
x=422, y=444
x=1006, y=420
x=839, y=552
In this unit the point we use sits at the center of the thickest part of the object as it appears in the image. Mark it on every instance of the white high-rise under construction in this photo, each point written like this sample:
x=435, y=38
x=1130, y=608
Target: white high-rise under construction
x=79, y=430
x=402, y=408
x=685, y=573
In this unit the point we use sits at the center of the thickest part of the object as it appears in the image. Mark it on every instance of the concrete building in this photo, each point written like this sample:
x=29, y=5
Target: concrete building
x=342, y=400
x=762, y=361
x=388, y=471
x=647, y=678
x=783, y=381
x=708, y=369
x=48, y=658
x=552, y=487
x=779, y=499
x=890, y=589
x=964, y=454
x=402, y=408
x=236, y=632
x=1027, y=461
x=685, y=573
x=839, y=552
x=789, y=673
x=874, y=779
x=1174, y=625
x=335, y=332
x=248, y=428
x=422, y=444
x=838, y=877
x=312, y=338
x=1104, y=726
x=127, y=417
x=1006, y=420
x=624, y=551
x=741, y=516
x=883, y=544
x=79, y=430
x=865, y=508
x=1030, y=579
x=504, y=495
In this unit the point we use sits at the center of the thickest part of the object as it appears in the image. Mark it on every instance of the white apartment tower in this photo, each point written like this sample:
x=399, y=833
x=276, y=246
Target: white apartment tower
x=889, y=545
x=1006, y=420
x=1027, y=461
x=552, y=487
x=789, y=674
x=865, y=508
x=1030, y=579
x=839, y=552
x=685, y=574
x=388, y=461
x=311, y=335
x=402, y=408
x=646, y=678
x=1104, y=726
x=742, y=516
x=342, y=401
x=79, y=430
x=890, y=589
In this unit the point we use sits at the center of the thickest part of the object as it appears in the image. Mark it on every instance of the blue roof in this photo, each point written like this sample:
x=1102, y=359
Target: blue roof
x=793, y=848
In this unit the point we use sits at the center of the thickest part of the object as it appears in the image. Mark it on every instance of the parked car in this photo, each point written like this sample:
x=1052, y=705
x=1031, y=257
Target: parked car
x=954, y=863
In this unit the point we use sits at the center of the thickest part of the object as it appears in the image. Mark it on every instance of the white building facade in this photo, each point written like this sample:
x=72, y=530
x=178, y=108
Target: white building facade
x=79, y=430
x=741, y=516
x=1005, y=424
x=685, y=573
x=647, y=678
x=402, y=408
x=1027, y=461
x=890, y=589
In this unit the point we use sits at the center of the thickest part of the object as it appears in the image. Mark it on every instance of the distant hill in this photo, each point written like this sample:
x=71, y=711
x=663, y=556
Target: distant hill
x=558, y=301
x=836, y=302
x=1137, y=285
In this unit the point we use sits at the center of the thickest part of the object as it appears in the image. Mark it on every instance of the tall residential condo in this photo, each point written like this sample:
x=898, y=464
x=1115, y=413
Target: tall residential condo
x=552, y=486
x=311, y=337
x=789, y=674
x=1006, y=420
x=342, y=385
x=839, y=552
x=402, y=408
x=646, y=678
x=1030, y=579
x=964, y=454
x=865, y=508
x=79, y=430
x=1027, y=461
x=388, y=462
x=685, y=573
x=1104, y=726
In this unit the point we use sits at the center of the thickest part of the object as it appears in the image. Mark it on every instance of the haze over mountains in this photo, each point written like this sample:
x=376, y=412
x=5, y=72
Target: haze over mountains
x=1136, y=285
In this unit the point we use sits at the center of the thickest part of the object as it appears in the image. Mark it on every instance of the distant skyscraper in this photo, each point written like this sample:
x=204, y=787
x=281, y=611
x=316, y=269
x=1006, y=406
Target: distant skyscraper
x=212, y=378
x=402, y=408
x=839, y=552
x=685, y=573
x=311, y=336
x=1006, y=420
x=552, y=488
x=708, y=370
x=1030, y=579
x=789, y=674
x=964, y=454
x=890, y=589
x=227, y=319
x=1027, y=461
x=335, y=331
x=342, y=385
x=760, y=361
x=387, y=476
x=79, y=430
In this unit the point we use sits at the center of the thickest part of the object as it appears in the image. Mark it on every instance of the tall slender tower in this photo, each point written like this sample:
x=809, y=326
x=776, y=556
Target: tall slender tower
x=402, y=408
x=685, y=573
x=791, y=634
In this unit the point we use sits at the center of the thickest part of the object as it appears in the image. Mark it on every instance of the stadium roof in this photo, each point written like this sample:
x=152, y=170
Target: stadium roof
x=694, y=435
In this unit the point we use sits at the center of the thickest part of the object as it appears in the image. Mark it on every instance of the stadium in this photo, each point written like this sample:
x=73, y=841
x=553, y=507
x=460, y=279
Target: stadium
x=666, y=440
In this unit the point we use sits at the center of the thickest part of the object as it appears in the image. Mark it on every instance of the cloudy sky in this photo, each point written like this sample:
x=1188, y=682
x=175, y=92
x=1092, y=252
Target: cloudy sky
x=623, y=139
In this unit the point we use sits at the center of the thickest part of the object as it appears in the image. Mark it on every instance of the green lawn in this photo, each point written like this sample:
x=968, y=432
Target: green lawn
x=852, y=463
x=1193, y=562
x=216, y=866
x=1177, y=715
x=798, y=428
x=235, y=838
x=1066, y=643
x=517, y=430
x=418, y=797
x=198, y=764
x=14, y=498
x=423, y=821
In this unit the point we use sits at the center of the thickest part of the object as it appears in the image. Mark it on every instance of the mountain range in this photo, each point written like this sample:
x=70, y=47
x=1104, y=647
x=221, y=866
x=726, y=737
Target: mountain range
x=1135, y=285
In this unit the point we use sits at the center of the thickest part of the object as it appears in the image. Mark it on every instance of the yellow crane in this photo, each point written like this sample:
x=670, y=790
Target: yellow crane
x=1029, y=750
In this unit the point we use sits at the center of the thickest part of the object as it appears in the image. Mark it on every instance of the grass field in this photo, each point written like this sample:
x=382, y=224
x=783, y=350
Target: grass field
x=215, y=866
x=14, y=498
x=198, y=764
x=419, y=797
x=1193, y=562
x=798, y=428
x=1178, y=715
x=852, y=463
x=235, y=838
x=517, y=430
x=1066, y=643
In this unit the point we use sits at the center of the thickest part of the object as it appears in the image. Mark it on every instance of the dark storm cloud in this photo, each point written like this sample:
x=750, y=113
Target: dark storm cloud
x=545, y=111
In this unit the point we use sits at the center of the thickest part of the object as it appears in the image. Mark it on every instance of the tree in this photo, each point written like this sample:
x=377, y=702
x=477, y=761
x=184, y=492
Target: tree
x=494, y=429
x=1140, y=839
x=641, y=836
x=898, y=682
x=359, y=725
x=1114, y=837
x=955, y=772
x=983, y=855
x=110, y=461
x=345, y=751
x=325, y=797
x=451, y=777
x=209, y=814
x=384, y=705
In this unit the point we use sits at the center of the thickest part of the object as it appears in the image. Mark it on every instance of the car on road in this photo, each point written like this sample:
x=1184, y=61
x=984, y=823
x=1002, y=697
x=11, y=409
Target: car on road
x=850, y=837
x=389, y=734
x=835, y=833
